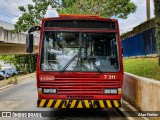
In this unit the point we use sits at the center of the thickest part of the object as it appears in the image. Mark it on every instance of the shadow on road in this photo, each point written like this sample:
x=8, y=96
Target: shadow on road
x=78, y=114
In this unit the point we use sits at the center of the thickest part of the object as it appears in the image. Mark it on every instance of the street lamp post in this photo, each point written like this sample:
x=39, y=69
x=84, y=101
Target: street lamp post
x=148, y=9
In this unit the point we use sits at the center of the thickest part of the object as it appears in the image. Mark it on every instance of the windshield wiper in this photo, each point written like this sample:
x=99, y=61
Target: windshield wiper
x=65, y=67
x=94, y=64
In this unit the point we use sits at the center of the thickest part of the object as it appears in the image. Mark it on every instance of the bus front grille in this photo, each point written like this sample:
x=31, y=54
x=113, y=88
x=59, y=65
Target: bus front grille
x=76, y=87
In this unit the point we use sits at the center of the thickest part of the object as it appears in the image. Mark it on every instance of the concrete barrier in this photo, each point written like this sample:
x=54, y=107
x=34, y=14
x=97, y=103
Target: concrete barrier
x=143, y=93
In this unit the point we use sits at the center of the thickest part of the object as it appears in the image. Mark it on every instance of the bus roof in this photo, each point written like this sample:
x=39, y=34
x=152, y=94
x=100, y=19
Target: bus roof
x=79, y=16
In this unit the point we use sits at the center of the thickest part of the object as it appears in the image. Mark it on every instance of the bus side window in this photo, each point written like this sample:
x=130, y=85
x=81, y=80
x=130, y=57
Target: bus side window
x=114, y=60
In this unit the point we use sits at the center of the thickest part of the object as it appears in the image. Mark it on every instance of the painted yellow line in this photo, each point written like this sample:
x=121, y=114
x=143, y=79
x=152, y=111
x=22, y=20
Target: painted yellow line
x=80, y=105
x=12, y=85
x=73, y=103
x=109, y=103
x=92, y=101
x=86, y=103
x=101, y=103
x=49, y=103
x=65, y=104
x=116, y=103
x=57, y=103
x=42, y=102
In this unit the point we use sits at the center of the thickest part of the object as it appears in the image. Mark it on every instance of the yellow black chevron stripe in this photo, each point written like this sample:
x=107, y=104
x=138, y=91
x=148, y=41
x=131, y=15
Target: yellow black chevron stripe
x=56, y=103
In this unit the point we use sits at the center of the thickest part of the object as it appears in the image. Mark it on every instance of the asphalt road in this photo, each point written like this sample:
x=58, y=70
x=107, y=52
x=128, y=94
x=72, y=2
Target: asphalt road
x=22, y=97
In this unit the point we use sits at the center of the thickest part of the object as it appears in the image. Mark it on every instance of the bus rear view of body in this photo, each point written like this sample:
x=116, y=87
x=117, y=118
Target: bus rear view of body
x=79, y=63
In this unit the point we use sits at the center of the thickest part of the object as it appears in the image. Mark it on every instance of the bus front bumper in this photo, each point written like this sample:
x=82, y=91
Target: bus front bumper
x=58, y=103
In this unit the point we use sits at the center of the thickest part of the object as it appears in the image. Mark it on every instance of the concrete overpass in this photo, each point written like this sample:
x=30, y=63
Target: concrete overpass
x=13, y=43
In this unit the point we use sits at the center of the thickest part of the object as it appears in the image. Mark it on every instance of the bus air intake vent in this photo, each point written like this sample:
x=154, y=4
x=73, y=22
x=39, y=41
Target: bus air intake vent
x=79, y=97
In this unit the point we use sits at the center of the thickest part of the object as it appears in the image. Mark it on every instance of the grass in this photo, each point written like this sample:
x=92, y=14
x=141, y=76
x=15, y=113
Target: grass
x=12, y=80
x=145, y=67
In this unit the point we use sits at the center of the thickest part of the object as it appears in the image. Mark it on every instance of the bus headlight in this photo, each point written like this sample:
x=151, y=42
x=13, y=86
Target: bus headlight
x=111, y=91
x=52, y=91
x=49, y=91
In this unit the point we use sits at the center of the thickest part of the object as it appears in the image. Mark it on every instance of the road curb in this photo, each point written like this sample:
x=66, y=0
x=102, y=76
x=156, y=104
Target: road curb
x=2, y=88
x=126, y=110
x=8, y=86
x=128, y=107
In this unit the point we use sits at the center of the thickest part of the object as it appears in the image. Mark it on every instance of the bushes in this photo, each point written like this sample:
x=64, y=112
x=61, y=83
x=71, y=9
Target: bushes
x=23, y=63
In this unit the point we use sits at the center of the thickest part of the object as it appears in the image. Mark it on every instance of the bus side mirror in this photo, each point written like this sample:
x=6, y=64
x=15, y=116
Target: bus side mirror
x=29, y=43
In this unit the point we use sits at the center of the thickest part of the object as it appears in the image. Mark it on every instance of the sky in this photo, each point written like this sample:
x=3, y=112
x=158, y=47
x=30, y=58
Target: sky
x=136, y=18
x=9, y=13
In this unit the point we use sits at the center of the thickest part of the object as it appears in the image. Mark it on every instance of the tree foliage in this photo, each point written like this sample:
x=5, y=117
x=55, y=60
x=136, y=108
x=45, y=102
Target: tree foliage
x=23, y=63
x=105, y=8
x=157, y=19
x=33, y=14
x=7, y=58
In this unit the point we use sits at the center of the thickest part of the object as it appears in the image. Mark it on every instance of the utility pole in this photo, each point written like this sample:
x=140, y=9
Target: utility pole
x=148, y=9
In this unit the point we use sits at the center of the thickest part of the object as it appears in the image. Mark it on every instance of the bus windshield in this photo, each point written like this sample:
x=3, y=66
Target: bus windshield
x=78, y=51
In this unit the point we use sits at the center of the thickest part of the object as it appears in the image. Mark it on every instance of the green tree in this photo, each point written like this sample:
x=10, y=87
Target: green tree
x=23, y=63
x=7, y=58
x=105, y=8
x=157, y=19
x=33, y=14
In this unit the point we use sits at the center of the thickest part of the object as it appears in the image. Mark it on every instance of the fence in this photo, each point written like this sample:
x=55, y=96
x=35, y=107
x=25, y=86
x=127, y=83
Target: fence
x=141, y=44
